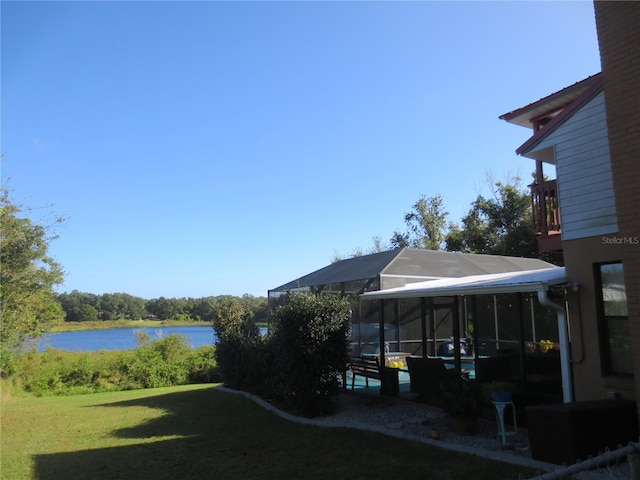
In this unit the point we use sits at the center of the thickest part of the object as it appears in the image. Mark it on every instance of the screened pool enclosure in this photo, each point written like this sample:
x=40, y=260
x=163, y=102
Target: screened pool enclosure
x=508, y=327
x=481, y=313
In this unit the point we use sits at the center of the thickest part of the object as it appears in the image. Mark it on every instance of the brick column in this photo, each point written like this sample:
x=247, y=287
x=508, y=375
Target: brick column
x=618, y=27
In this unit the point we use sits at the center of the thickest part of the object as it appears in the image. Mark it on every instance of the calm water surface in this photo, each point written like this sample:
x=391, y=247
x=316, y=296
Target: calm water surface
x=123, y=338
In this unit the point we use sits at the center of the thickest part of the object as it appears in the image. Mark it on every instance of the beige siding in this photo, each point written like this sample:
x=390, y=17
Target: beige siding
x=583, y=171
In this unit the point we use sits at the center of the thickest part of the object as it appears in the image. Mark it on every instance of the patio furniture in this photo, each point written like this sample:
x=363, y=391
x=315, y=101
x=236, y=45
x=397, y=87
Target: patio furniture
x=369, y=367
x=427, y=376
x=500, y=408
x=364, y=367
x=447, y=349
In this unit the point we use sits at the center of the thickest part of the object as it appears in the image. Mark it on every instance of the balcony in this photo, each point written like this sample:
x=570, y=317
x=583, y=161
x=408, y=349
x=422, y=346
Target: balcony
x=546, y=216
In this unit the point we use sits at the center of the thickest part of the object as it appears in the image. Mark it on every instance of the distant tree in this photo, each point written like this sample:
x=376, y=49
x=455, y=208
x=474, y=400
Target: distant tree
x=203, y=309
x=82, y=313
x=472, y=237
x=121, y=306
x=134, y=308
x=163, y=308
x=426, y=225
x=27, y=299
x=256, y=307
x=400, y=240
x=501, y=224
x=110, y=307
x=338, y=257
x=75, y=299
x=378, y=245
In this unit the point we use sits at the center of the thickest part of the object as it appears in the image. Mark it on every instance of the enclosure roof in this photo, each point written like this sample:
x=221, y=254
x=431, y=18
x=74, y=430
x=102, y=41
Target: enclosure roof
x=413, y=263
x=508, y=282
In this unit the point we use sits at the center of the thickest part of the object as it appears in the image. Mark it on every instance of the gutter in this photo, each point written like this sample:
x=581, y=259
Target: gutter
x=565, y=368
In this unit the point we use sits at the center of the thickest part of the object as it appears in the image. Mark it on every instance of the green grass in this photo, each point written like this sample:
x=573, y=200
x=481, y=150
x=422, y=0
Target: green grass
x=197, y=431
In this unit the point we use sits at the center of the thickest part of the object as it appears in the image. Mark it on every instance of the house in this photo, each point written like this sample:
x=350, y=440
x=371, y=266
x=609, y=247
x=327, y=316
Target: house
x=619, y=44
x=587, y=212
x=576, y=214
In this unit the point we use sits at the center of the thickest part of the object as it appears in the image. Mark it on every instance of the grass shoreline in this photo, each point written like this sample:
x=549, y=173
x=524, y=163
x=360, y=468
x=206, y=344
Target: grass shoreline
x=108, y=324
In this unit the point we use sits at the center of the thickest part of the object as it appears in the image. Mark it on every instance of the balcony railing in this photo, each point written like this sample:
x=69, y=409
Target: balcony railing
x=546, y=213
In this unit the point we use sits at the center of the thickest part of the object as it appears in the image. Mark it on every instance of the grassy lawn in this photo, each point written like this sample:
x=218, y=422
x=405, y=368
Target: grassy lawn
x=195, y=432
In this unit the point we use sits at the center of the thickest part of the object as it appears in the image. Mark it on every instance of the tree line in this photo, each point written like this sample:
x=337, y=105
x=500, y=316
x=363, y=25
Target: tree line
x=87, y=307
x=498, y=224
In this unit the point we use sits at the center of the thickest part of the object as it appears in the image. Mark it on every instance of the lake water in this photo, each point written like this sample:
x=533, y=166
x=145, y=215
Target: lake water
x=123, y=338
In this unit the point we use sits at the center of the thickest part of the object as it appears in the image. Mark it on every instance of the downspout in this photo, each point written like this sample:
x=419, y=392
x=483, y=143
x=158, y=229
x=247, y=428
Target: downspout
x=455, y=311
x=565, y=367
x=381, y=336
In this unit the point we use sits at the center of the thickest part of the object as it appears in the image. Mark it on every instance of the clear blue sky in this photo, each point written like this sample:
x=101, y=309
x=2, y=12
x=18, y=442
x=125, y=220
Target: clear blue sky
x=214, y=148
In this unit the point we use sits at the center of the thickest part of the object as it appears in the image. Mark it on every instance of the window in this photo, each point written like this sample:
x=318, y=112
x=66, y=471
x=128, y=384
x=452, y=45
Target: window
x=614, y=319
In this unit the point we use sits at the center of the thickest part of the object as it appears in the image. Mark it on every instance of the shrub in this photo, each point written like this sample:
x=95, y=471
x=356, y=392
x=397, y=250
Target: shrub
x=241, y=362
x=57, y=372
x=309, y=351
x=240, y=348
x=163, y=362
x=460, y=396
x=299, y=364
x=202, y=366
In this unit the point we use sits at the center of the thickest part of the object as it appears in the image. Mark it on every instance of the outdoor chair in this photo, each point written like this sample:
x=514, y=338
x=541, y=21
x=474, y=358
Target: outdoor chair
x=427, y=377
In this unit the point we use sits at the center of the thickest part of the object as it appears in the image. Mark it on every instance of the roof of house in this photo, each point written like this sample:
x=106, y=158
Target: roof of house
x=415, y=264
x=554, y=102
x=494, y=283
x=566, y=113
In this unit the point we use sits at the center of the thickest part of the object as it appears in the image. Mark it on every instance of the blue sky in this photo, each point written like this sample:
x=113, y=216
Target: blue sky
x=211, y=148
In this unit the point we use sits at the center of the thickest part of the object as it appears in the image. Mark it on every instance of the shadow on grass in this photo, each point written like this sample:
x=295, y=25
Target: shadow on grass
x=206, y=433
x=199, y=434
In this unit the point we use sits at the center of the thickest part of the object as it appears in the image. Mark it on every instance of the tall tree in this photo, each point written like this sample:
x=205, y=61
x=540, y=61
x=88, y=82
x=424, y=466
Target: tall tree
x=472, y=237
x=426, y=224
x=27, y=299
x=501, y=224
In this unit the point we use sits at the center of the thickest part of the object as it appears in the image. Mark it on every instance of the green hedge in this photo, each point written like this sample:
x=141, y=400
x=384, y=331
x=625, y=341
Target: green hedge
x=299, y=364
x=159, y=363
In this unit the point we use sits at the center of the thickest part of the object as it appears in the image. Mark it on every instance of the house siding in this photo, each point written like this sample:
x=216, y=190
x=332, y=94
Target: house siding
x=583, y=170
